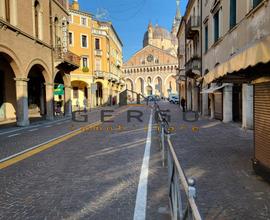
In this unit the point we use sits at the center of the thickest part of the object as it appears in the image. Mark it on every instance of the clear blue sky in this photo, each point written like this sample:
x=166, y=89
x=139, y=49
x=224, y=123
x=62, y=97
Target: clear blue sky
x=131, y=17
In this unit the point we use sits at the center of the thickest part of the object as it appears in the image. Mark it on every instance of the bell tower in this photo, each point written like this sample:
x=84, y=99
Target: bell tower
x=75, y=5
x=177, y=18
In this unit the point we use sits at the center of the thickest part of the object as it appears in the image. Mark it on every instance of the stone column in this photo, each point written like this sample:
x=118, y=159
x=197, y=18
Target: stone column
x=205, y=104
x=105, y=98
x=195, y=98
x=227, y=103
x=189, y=99
x=247, y=96
x=89, y=98
x=49, y=101
x=68, y=110
x=22, y=102
x=212, y=106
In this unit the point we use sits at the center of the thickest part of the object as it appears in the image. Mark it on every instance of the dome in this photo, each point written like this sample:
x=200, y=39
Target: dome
x=161, y=33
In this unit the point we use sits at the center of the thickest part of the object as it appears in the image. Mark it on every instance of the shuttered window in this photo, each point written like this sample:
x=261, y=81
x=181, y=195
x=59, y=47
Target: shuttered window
x=232, y=13
x=256, y=3
x=216, y=26
x=262, y=123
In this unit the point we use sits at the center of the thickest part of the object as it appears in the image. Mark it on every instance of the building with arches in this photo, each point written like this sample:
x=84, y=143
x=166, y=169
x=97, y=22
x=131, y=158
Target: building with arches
x=34, y=58
x=99, y=79
x=152, y=70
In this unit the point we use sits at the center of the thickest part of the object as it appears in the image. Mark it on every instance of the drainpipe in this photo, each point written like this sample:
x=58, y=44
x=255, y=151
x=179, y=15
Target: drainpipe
x=51, y=43
x=185, y=62
x=200, y=95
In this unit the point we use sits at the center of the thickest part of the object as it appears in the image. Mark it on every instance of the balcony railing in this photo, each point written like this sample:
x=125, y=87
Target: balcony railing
x=99, y=74
x=193, y=26
x=98, y=52
x=193, y=66
x=66, y=60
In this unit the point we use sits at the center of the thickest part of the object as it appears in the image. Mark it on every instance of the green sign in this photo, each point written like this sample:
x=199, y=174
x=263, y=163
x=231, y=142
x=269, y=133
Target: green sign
x=59, y=90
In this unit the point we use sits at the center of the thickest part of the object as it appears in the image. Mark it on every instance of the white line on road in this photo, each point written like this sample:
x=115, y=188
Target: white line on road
x=33, y=126
x=141, y=198
x=48, y=126
x=35, y=129
x=13, y=135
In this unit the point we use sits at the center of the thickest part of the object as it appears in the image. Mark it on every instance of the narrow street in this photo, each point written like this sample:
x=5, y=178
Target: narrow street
x=86, y=177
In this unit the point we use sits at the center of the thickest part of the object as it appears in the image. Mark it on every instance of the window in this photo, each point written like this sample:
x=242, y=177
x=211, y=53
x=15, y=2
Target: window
x=37, y=11
x=216, y=26
x=75, y=92
x=56, y=32
x=85, y=62
x=206, y=38
x=232, y=13
x=84, y=43
x=7, y=8
x=84, y=21
x=97, y=44
x=70, y=38
x=98, y=64
x=256, y=3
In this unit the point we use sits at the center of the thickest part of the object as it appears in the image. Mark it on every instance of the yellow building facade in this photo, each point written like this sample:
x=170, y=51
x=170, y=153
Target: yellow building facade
x=99, y=80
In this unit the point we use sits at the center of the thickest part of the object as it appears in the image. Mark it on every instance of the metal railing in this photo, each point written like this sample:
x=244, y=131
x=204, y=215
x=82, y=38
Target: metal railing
x=182, y=191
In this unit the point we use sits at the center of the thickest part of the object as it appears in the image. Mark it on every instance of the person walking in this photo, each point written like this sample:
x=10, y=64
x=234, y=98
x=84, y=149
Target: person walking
x=183, y=104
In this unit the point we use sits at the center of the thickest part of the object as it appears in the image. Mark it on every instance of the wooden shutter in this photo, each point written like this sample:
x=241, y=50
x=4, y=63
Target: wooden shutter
x=218, y=100
x=262, y=123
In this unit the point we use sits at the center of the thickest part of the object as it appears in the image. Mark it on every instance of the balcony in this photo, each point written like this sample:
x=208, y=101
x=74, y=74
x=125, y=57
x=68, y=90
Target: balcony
x=118, y=63
x=98, y=53
x=113, y=78
x=193, y=26
x=193, y=67
x=99, y=74
x=66, y=61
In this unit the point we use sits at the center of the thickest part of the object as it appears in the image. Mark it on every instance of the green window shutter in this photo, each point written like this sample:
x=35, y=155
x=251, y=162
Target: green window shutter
x=232, y=13
x=256, y=2
x=206, y=38
x=216, y=26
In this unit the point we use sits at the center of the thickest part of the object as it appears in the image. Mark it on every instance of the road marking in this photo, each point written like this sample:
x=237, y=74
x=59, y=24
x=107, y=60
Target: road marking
x=32, y=126
x=141, y=198
x=15, y=158
x=35, y=129
x=13, y=135
x=48, y=126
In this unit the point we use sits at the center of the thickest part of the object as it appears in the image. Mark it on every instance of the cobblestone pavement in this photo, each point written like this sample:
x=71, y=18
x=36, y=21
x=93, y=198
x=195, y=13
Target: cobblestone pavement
x=19, y=139
x=93, y=175
x=219, y=156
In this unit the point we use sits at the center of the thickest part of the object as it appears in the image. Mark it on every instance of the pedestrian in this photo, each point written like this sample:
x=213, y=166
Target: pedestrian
x=183, y=104
x=85, y=104
x=78, y=105
x=113, y=101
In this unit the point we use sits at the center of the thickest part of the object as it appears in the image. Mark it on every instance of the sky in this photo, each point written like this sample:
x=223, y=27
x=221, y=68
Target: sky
x=130, y=18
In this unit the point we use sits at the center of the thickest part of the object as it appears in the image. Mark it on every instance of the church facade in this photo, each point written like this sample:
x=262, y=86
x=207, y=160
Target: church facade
x=153, y=69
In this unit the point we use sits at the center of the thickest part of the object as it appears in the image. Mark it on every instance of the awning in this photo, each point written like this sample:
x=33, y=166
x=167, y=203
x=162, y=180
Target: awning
x=257, y=53
x=212, y=89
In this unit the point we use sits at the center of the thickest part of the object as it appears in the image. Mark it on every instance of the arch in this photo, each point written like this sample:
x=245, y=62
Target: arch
x=158, y=85
x=170, y=83
x=8, y=96
x=139, y=85
x=13, y=60
x=149, y=90
x=148, y=80
x=42, y=64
